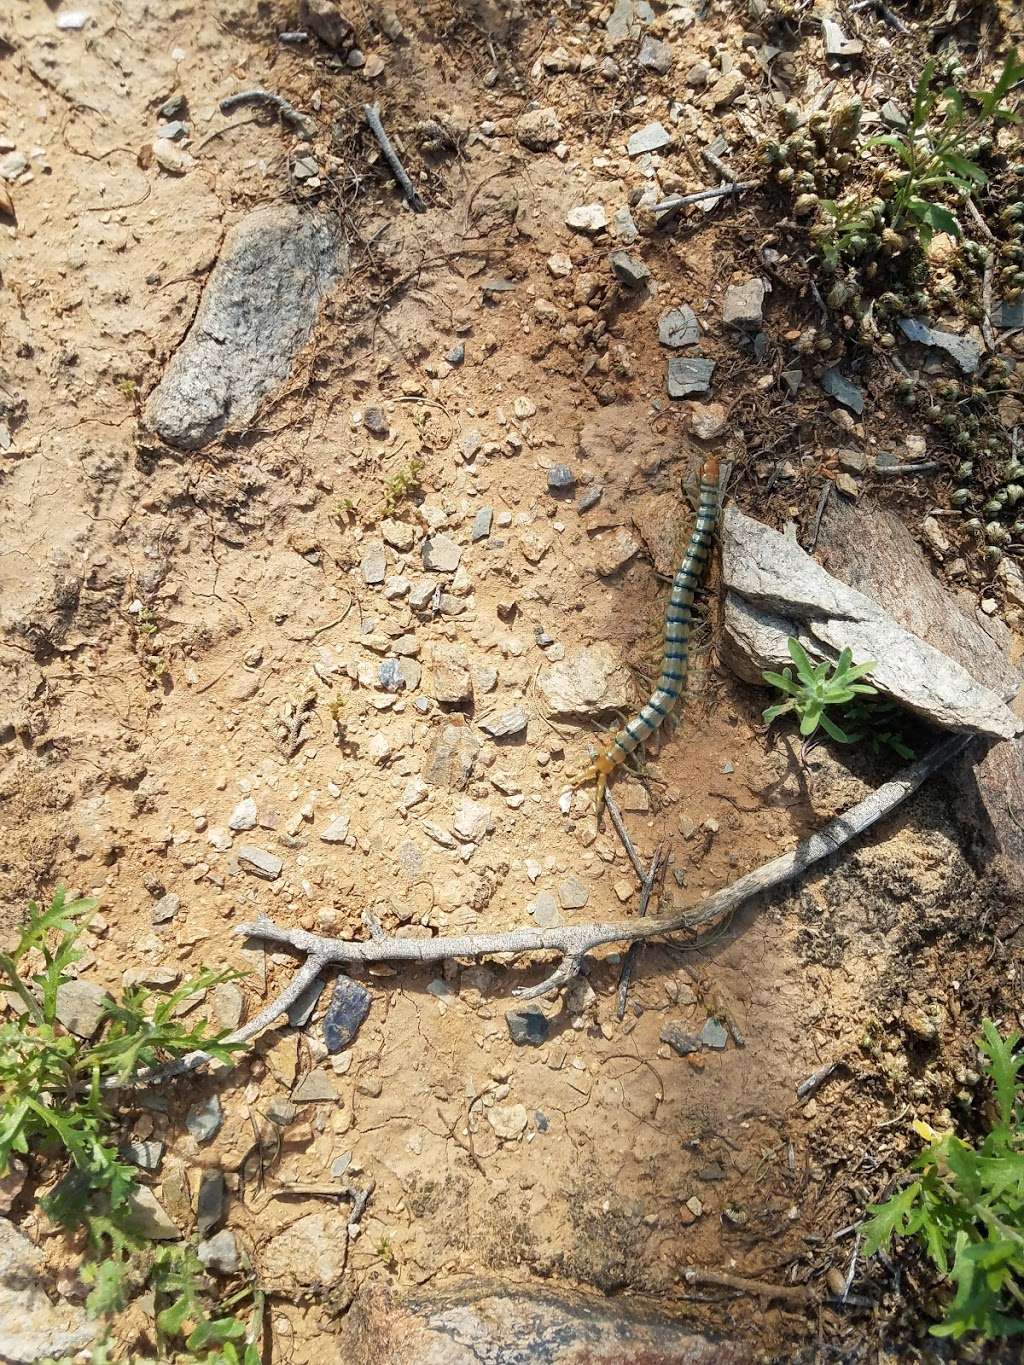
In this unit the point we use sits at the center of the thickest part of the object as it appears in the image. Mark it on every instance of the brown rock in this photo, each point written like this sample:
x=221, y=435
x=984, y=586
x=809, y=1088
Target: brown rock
x=452, y=758
x=311, y=1253
x=326, y=20
x=453, y=683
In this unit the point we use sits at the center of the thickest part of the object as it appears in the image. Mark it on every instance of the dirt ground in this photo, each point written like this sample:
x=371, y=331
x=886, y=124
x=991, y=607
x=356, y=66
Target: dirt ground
x=165, y=613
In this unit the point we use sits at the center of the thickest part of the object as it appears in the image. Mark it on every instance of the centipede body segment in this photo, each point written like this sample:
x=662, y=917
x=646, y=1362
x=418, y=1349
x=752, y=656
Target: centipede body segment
x=668, y=693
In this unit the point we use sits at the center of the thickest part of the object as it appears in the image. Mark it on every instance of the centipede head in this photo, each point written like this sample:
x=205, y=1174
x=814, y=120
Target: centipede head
x=709, y=470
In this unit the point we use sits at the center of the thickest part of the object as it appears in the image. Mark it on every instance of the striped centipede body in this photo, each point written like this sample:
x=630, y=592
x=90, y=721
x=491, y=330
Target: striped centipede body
x=678, y=619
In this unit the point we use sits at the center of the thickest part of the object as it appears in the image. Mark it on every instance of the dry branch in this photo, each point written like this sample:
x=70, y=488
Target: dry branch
x=376, y=127
x=788, y=1293
x=304, y=126
x=573, y=941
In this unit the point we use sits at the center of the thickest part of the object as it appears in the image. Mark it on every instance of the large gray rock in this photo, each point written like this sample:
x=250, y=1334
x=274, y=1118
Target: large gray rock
x=512, y=1324
x=31, y=1327
x=775, y=590
x=873, y=551
x=256, y=313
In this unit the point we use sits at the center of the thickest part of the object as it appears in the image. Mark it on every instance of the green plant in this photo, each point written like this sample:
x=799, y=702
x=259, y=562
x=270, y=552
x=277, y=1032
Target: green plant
x=816, y=687
x=966, y=1206
x=843, y=227
x=876, y=725
x=55, y=1089
x=400, y=486
x=212, y=1335
x=937, y=149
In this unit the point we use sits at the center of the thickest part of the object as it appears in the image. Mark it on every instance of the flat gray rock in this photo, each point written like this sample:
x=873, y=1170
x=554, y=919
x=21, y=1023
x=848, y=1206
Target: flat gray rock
x=589, y=682
x=148, y=1218
x=651, y=138
x=219, y=1253
x=31, y=1327
x=744, y=303
x=873, y=551
x=1006, y=314
x=512, y=722
x=629, y=271
x=679, y=327
x=837, y=386
x=775, y=590
x=256, y=314
x=204, y=1120
x=628, y=17
x=689, y=375
x=80, y=1006
x=259, y=862
x=964, y=351
x=506, y=1323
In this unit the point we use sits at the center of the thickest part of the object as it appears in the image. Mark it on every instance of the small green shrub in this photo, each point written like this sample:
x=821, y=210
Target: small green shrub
x=58, y=1105
x=966, y=1207
x=936, y=149
x=817, y=687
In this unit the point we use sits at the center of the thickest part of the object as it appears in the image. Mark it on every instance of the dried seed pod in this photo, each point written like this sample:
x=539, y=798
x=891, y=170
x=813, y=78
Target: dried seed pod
x=996, y=533
x=965, y=469
x=960, y=497
x=994, y=506
x=993, y=554
x=784, y=175
x=1014, y=492
x=844, y=124
x=791, y=116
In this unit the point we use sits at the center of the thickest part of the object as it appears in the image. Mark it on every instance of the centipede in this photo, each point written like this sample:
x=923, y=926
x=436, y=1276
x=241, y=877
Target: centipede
x=668, y=695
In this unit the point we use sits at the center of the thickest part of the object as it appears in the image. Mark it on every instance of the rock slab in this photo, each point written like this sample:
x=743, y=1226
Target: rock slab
x=775, y=590
x=873, y=551
x=256, y=313
x=31, y=1327
x=511, y=1324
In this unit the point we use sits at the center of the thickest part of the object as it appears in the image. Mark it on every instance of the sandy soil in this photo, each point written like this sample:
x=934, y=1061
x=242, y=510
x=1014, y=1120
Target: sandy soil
x=165, y=614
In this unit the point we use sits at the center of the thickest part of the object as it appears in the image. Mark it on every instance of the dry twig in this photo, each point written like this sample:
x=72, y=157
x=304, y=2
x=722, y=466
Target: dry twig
x=304, y=127
x=571, y=941
x=790, y=1293
x=376, y=127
